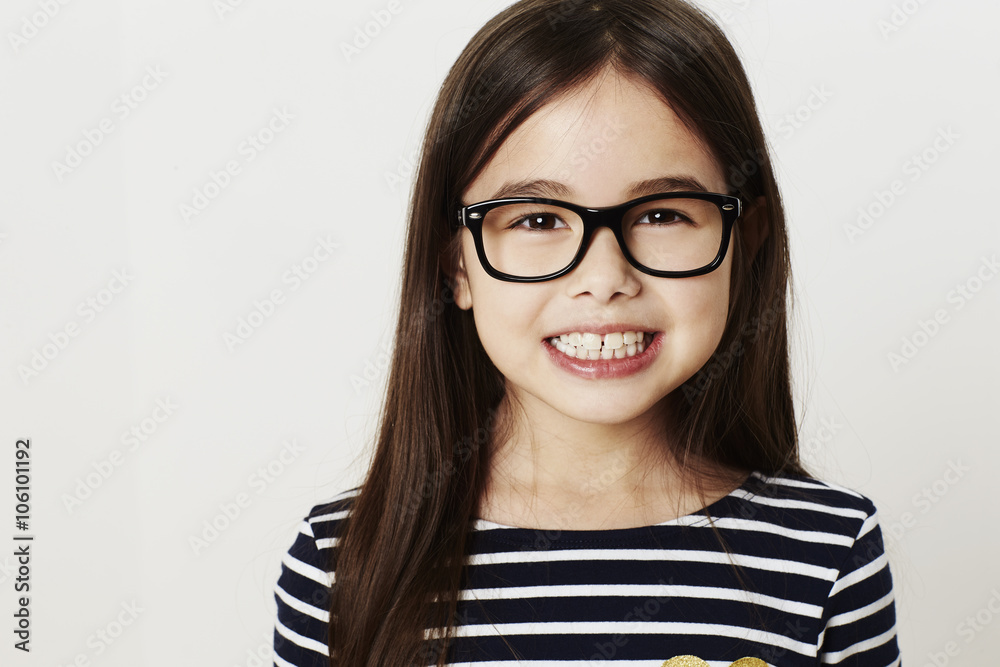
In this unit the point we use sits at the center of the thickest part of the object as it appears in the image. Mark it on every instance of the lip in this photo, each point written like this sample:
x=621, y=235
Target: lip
x=598, y=369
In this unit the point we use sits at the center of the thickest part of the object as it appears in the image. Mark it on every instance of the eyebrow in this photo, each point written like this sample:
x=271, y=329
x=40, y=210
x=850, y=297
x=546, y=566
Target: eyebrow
x=543, y=187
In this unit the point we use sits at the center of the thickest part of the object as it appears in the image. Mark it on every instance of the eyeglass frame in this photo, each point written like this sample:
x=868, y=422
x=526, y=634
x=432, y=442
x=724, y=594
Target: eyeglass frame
x=473, y=215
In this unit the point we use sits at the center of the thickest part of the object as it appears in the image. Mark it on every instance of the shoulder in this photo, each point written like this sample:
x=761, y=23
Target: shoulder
x=324, y=521
x=318, y=534
x=302, y=591
x=835, y=531
x=802, y=487
x=805, y=503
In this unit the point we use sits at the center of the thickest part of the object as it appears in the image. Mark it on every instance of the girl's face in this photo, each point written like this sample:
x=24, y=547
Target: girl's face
x=598, y=142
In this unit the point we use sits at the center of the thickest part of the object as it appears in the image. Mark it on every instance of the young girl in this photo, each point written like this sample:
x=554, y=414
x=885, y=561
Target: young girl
x=587, y=451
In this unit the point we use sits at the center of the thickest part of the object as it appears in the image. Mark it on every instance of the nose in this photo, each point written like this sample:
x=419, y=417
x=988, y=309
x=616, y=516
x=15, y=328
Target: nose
x=603, y=271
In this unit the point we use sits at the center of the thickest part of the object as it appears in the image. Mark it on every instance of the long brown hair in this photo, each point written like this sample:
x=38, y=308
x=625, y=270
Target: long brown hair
x=401, y=550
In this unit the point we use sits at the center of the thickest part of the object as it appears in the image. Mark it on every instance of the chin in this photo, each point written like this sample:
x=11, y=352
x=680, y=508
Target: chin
x=603, y=412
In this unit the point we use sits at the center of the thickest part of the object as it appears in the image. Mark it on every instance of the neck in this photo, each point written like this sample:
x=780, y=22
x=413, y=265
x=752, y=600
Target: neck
x=556, y=472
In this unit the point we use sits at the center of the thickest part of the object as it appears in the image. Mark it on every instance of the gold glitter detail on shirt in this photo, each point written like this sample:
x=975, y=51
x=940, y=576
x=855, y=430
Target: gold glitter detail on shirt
x=692, y=661
x=685, y=661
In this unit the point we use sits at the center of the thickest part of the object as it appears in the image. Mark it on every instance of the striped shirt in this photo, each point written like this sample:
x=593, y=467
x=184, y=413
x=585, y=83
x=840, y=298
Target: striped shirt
x=813, y=587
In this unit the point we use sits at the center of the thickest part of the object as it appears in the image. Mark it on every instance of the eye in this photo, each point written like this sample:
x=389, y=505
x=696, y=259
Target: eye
x=539, y=222
x=663, y=216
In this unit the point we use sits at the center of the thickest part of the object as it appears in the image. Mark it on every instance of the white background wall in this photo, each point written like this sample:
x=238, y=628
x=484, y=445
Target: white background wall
x=338, y=170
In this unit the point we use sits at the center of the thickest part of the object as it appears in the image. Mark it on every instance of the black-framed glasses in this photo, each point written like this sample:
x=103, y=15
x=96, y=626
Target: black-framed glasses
x=669, y=235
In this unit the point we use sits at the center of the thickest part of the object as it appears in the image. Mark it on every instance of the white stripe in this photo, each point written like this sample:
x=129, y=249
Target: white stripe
x=299, y=605
x=789, y=503
x=823, y=486
x=643, y=591
x=756, y=562
x=628, y=627
x=862, y=612
x=484, y=525
x=306, y=570
x=281, y=662
x=854, y=615
x=327, y=542
x=332, y=516
x=874, y=642
x=813, y=536
x=867, y=526
x=843, y=489
x=306, y=529
x=859, y=574
x=341, y=496
x=299, y=640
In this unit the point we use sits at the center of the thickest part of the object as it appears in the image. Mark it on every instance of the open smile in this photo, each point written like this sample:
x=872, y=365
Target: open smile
x=611, y=355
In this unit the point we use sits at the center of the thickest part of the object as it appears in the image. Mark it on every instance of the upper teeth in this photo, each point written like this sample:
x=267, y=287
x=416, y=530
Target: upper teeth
x=585, y=345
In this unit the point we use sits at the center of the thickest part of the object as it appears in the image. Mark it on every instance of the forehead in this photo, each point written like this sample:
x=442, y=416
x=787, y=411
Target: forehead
x=596, y=145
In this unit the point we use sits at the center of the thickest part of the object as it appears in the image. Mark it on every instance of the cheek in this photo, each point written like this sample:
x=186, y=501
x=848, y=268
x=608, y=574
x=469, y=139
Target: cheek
x=699, y=309
x=505, y=313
